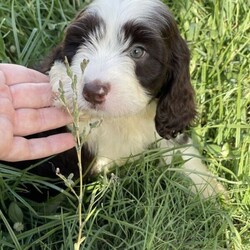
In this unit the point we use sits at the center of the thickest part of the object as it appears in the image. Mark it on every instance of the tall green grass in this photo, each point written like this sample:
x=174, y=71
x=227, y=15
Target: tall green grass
x=145, y=205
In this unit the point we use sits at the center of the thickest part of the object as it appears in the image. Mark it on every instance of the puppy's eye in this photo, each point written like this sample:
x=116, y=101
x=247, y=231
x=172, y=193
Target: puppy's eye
x=137, y=52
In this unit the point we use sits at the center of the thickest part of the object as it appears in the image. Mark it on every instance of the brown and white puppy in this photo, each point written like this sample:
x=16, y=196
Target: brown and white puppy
x=136, y=81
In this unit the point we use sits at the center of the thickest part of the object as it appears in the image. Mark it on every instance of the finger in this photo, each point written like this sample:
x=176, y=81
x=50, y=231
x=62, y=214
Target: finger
x=4, y=89
x=24, y=149
x=12, y=74
x=31, y=121
x=7, y=111
x=31, y=95
x=6, y=135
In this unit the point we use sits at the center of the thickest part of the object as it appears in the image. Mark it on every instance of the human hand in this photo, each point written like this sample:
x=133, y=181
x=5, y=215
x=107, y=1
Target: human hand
x=25, y=99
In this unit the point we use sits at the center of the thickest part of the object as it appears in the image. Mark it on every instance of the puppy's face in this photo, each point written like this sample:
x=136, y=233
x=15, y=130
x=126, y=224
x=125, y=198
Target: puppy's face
x=122, y=41
x=135, y=54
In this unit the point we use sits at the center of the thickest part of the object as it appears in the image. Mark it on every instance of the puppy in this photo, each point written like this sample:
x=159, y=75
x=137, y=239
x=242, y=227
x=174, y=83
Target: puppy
x=136, y=82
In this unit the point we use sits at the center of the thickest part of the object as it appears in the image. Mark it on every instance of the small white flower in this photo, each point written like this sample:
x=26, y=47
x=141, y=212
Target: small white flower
x=18, y=226
x=114, y=178
x=70, y=181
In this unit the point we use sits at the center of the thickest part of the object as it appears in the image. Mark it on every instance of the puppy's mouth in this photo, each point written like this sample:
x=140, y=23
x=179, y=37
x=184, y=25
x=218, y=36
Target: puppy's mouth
x=96, y=107
x=93, y=108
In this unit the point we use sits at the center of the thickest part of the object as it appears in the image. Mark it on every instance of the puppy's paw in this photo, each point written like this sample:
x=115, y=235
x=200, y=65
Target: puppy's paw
x=102, y=164
x=210, y=188
x=61, y=85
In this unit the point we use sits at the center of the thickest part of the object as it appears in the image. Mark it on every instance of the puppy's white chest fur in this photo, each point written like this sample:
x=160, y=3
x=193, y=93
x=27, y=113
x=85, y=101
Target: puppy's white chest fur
x=117, y=138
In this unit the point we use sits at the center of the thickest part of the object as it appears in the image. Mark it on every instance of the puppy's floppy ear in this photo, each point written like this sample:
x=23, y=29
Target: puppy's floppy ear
x=73, y=37
x=47, y=63
x=176, y=105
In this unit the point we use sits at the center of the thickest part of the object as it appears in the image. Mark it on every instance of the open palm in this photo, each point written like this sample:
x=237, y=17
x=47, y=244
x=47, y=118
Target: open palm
x=25, y=109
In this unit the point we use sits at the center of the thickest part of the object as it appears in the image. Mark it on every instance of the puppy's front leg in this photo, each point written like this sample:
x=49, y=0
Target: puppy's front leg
x=204, y=181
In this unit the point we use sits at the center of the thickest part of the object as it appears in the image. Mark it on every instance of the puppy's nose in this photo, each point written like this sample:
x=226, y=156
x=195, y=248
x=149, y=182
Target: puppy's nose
x=95, y=92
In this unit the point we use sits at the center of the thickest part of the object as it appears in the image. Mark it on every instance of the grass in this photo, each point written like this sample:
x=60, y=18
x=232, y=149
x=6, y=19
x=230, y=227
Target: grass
x=147, y=207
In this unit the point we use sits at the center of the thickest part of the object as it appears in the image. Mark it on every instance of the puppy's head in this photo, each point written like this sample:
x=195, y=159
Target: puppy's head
x=135, y=55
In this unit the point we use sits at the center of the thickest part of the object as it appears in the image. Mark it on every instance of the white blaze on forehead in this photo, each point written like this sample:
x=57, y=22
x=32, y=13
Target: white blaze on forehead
x=122, y=10
x=108, y=39
x=115, y=13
